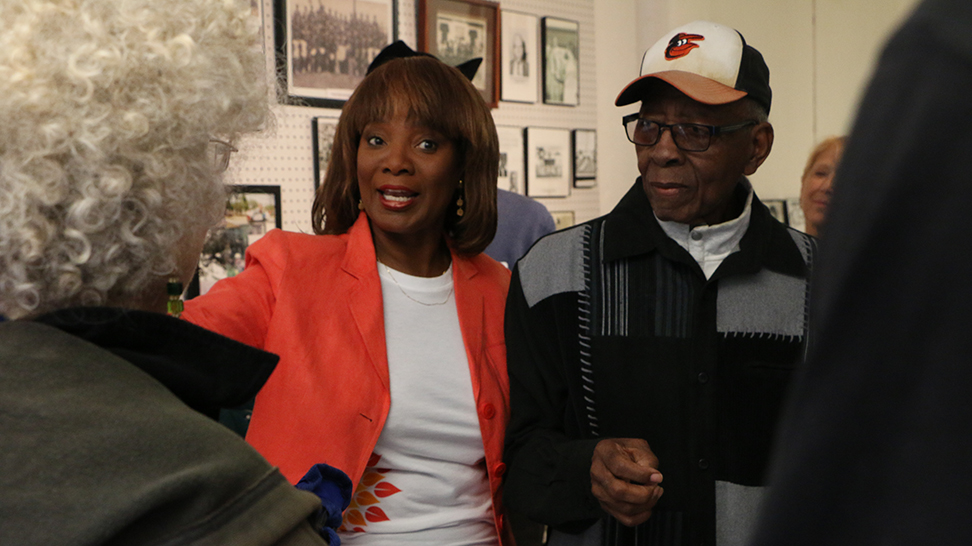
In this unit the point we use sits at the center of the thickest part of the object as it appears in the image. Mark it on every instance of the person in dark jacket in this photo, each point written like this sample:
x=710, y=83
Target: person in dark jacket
x=118, y=120
x=658, y=340
x=876, y=444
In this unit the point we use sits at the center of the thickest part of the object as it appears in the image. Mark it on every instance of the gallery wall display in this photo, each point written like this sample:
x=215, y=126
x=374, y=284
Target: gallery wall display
x=562, y=218
x=456, y=31
x=549, y=162
x=561, y=67
x=585, y=158
x=324, y=47
x=520, y=57
x=251, y=211
x=511, y=174
x=322, y=140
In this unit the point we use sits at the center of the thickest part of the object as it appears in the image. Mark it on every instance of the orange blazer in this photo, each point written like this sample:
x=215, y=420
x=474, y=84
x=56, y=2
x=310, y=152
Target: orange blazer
x=315, y=300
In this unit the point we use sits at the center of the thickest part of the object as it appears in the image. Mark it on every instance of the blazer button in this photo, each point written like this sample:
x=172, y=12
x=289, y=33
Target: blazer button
x=488, y=411
x=499, y=470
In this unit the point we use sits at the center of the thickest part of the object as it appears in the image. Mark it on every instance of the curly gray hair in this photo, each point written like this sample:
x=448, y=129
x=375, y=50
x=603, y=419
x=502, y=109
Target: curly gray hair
x=108, y=107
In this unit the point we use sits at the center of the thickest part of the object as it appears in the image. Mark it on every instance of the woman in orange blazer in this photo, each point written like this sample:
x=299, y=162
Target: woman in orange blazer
x=389, y=321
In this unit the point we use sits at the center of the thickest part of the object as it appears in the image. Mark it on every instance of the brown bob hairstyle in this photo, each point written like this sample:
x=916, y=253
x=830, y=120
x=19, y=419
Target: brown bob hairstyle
x=440, y=97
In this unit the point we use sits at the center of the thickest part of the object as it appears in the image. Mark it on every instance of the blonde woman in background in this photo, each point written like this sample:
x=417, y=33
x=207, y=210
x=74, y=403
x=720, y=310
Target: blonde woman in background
x=818, y=180
x=118, y=118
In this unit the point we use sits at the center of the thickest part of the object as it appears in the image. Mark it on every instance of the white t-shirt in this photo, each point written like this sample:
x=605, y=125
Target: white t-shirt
x=426, y=482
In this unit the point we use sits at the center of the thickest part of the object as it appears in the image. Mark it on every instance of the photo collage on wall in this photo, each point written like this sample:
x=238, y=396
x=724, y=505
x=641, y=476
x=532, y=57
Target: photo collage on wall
x=323, y=49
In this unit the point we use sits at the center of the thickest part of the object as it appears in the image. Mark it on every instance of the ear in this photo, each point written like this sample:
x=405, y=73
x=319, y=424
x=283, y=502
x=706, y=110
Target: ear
x=762, y=142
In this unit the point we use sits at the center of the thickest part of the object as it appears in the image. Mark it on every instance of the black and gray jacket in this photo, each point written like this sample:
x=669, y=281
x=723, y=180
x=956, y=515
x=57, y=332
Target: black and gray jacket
x=612, y=330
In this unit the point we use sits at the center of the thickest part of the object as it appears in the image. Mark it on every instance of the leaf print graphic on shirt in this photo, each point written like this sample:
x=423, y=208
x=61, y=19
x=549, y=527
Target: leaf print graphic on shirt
x=371, y=489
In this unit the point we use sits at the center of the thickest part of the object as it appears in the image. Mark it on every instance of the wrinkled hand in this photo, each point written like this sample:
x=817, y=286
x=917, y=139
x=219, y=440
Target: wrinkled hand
x=625, y=478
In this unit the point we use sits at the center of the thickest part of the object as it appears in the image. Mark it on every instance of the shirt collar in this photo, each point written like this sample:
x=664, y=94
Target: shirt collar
x=710, y=245
x=631, y=229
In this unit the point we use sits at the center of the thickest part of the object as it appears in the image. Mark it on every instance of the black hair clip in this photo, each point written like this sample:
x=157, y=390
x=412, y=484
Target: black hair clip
x=400, y=50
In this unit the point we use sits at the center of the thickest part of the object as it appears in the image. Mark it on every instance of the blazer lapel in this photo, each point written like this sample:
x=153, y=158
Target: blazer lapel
x=469, y=303
x=364, y=295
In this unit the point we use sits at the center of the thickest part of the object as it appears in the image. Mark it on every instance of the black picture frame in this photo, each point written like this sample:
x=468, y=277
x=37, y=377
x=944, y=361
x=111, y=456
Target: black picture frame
x=322, y=139
x=561, y=61
x=777, y=208
x=234, y=236
x=318, y=67
x=584, y=145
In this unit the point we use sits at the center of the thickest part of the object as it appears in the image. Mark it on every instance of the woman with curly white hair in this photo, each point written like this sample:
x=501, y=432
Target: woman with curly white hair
x=117, y=121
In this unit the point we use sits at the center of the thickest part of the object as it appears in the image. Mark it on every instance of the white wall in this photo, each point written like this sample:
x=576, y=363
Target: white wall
x=618, y=60
x=820, y=54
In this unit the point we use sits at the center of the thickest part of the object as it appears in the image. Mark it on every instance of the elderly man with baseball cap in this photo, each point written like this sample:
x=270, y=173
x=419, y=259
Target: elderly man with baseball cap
x=649, y=349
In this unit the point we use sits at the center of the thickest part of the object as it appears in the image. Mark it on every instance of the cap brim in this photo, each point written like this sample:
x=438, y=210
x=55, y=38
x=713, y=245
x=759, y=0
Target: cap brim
x=697, y=87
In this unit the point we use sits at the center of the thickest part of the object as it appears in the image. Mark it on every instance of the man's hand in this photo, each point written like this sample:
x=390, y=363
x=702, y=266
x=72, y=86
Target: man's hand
x=625, y=478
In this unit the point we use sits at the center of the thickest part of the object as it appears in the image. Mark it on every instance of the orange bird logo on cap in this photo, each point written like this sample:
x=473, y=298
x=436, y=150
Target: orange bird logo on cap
x=681, y=44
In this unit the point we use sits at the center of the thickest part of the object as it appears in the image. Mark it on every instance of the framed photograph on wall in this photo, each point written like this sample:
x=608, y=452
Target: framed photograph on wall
x=511, y=174
x=777, y=208
x=794, y=214
x=520, y=57
x=324, y=47
x=561, y=61
x=562, y=219
x=322, y=139
x=456, y=31
x=585, y=158
x=251, y=211
x=548, y=162
x=256, y=9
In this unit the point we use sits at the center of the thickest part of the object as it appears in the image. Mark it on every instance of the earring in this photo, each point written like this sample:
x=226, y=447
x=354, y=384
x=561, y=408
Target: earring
x=360, y=205
x=174, y=306
x=459, y=203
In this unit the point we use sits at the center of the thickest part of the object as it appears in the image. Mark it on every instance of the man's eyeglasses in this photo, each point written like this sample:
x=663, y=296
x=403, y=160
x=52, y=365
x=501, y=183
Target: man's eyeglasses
x=219, y=153
x=689, y=137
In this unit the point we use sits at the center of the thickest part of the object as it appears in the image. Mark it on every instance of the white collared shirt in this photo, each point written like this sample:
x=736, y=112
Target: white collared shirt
x=710, y=245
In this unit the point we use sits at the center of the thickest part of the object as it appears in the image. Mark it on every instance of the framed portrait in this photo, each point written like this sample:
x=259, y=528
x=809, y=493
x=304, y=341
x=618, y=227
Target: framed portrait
x=549, y=162
x=794, y=214
x=777, y=208
x=585, y=158
x=324, y=47
x=456, y=31
x=562, y=219
x=322, y=139
x=520, y=57
x=251, y=211
x=511, y=174
x=256, y=9
x=561, y=64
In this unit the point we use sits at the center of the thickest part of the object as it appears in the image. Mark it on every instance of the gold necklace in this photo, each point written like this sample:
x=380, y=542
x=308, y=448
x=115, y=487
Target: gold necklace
x=433, y=304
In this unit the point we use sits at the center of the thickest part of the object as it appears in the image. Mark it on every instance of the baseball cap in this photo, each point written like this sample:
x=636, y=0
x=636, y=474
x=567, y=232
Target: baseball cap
x=709, y=62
